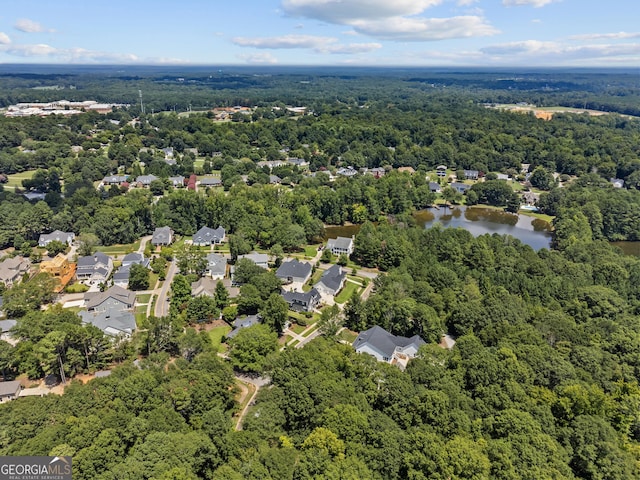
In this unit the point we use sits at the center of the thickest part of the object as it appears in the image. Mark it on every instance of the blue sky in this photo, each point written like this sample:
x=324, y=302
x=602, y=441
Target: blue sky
x=568, y=33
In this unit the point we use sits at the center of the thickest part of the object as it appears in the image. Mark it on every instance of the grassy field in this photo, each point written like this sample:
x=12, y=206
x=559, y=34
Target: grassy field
x=311, y=250
x=119, y=249
x=15, y=180
x=346, y=292
x=216, y=334
x=347, y=335
x=145, y=298
x=297, y=328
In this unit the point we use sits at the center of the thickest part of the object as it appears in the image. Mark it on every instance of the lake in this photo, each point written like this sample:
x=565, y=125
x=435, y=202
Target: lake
x=477, y=220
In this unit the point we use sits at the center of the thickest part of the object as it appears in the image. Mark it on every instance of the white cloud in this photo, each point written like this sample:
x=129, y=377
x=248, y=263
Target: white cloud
x=533, y=3
x=608, y=36
x=534, y=51
x=284, y=41
x=350, y=49
x=312, y=42
x=345, y=11
x=70, y=55
x=29, y=26
x=259, y=58
x=4, y=39
x=425, y=29
x=398, y=20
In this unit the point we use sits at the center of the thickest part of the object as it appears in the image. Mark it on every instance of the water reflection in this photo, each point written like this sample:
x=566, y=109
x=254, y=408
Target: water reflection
x=478, y=221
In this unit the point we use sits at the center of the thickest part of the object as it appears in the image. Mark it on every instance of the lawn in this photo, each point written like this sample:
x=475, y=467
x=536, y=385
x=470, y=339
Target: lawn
x=346, y=292
x=145, y=298
x=216, y=334
x=311, y=250
x=140, y=318
x=15, y=180
x=347, y=336
x=120, y=249
x=141, y=309
x=297, y=328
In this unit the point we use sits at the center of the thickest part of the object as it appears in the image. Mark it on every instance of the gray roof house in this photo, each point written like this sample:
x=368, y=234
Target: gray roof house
x=347, y=172
x=10, y=390
x=471, y=174
x=386, y=347
x=294, y=271
x=13, y=269
x=112, y=321
x=617, y=182
x=302, y=301
x=64, y=237
x=460, y=187
x=245, y=322
x=135, y=258
x=340, y=245
x=145, y=180
x=207, y=286
x=114, y=180
x=177, y=182
x=5, y=331
x=441, y=170
x=121, y=277
x=209, y=236
x=216, y=266
x=435, y=187
x=210, y=182
x=162, y=236
x=94, y=268
x=332, y=280
x=260, y=259
x=114, y=298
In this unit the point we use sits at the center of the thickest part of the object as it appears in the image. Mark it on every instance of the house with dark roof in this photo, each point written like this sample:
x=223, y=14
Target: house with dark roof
x=162, y=236
x=177, y=182
x=209, y=236
x=5, y=330
x=112, y=321
x=332, y=280
x=9, y=390
x=13, y=269
x=298, y=162
x=121, y=277
x=340, y=245
x=57, y=235
x=302, y=301
x=94, y=269
x=274, y=180
x=114, y=180
x=216, y=266
x=434, y=187
x=245, y=322
x=386, y=347
x=294, y=272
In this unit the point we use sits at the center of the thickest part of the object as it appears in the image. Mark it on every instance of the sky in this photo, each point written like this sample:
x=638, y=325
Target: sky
x=553, y=33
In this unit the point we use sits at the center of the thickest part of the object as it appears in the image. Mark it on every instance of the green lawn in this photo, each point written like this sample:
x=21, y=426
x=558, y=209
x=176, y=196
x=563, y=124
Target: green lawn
x=216, y=334
x=119, y=249
x=141, y=309
x=355, y=278
x=140, y=318
x=347, y=335
x=143, y=298
x=311, y=250
x=15, y=180
x=346, y=292
x=297, y=328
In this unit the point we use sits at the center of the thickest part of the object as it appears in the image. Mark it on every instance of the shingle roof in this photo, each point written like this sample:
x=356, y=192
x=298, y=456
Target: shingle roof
x=333, y=277
x=343, y=243
x=161, y=235
x=216, y=264
x=208, y=235
x=9, y=388
x=90, y=261
x=294, y=269
x=122, y=294
x=241, y=323
x=111, y=321
x=384, y=342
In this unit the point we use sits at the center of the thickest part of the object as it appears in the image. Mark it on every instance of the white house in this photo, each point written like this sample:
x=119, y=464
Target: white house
x=340, y=245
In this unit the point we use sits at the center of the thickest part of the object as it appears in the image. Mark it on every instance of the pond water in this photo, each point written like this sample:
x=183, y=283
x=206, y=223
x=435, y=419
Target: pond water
x=477, y=220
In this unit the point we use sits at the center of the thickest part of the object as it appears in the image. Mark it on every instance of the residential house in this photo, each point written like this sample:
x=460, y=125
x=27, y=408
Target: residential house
x=57, y=235
x=295, y=273
x=471, y=174
x=94, y=269
x=162, y=236
x=386, y=347
x=216, y=266
x=530, y=198
x=441, y=170
x=145, y=180
x=168, y=153
x=177, y=182
x=245, y=322
x=34, y=196
x=435, y=187
x=60, y=269
x=617, y=182
x=274, y=180
x=340, y=245
x=114, y=180
x=375, y=172
x=13, y=269
x=460, y=187
x=503, y=176
x=209, y=236
x=9, y=390
x=207, y=286
x=111, y=311
x=260, y=259
x=5, y=331
x=302, y=301
x=332, y=280
x=298, y=162
x=191, y=183
x=211, y=182
x=347, y=172
x=271, y=163
x=121, y=277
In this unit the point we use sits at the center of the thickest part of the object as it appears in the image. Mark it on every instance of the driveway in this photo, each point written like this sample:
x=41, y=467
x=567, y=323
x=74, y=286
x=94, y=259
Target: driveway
x=162, y=303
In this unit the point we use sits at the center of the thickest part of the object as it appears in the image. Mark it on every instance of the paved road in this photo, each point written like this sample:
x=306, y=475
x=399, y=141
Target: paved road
x=143, y=243
x=162, y=303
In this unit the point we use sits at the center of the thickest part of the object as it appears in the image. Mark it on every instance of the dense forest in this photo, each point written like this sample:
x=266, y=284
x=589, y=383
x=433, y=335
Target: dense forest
x=543, y=379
